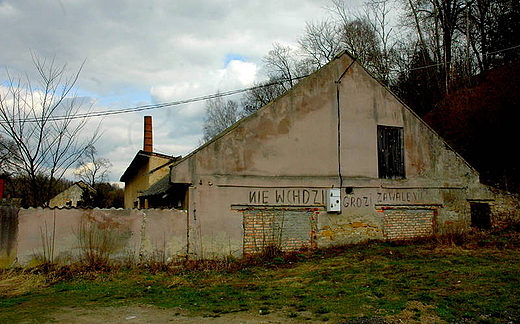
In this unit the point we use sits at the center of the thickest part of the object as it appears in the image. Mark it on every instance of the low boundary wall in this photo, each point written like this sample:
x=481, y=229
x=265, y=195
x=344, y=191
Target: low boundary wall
x=35, y=235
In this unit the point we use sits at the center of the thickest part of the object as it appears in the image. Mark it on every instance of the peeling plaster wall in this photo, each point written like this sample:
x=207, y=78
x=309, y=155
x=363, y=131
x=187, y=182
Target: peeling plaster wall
x=61, y=235
x=319, y=135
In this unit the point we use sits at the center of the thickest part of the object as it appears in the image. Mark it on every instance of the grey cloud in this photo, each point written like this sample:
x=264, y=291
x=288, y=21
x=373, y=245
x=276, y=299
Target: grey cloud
x=171, y=50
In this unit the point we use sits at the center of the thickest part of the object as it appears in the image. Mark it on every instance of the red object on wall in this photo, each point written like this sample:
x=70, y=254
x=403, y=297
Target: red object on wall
x=1, y=188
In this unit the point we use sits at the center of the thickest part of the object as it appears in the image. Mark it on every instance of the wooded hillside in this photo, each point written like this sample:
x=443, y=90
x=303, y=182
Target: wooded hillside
x=480, y=122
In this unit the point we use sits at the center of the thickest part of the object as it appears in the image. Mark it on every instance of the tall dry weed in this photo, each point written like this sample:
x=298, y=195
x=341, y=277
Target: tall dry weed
x=98, y=244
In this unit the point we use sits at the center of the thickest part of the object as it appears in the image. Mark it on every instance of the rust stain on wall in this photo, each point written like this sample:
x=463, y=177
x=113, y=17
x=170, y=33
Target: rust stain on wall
x=284, y=126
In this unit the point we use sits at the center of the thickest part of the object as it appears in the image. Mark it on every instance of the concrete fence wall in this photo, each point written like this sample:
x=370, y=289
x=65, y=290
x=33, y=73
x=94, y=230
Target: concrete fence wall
x=31, y=236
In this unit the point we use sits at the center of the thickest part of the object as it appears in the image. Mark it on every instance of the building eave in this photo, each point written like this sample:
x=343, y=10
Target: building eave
x=140, y=159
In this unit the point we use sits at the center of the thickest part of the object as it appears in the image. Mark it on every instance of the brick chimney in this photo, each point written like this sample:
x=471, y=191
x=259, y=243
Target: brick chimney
x=148, y=134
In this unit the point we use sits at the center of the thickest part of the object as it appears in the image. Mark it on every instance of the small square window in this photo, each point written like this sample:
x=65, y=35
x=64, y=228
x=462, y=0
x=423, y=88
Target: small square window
x=390, y=152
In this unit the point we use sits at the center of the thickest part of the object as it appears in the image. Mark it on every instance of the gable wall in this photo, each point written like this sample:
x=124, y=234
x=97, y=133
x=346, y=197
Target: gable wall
x=73, y=194
x=284, y=158
x=290, y=137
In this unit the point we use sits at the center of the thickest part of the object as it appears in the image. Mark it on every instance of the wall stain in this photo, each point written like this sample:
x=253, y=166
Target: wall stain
x=8, y=233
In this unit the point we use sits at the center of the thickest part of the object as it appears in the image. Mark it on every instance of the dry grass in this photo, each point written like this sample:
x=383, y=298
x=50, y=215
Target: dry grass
x=433, y=280
x=16, y=283
x=377, y=282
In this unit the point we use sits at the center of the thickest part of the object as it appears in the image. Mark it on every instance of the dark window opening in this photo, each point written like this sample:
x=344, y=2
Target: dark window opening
x=175, y=196
x=390, y=152
x=480, y=215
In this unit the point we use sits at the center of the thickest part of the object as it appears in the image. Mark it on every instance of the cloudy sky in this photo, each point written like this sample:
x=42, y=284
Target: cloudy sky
x=148, y=52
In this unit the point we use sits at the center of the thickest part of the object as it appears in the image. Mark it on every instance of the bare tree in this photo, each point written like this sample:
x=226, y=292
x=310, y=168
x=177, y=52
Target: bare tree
x=6, y=147
x=491, y=27
x=367, y=35
x=41, y=122
x=378, y=13
x=91, y=168
x=437, y=23
x=321, y=42
x=220, y=114
x=360, y=39
x=285, y=66
x=259, y=96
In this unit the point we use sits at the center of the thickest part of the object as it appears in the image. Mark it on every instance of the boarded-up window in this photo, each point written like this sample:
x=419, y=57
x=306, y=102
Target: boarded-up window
x=390, y=152
x=480, y=215
x=285, y=229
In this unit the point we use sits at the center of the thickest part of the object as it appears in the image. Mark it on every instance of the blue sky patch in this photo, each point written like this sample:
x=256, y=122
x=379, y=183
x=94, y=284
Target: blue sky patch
x=233, y=57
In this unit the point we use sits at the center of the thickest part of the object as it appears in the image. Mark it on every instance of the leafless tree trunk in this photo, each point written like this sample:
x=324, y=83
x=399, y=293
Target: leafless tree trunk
x=284, y=66
x=41, y=121
x=6, y=147
x=437, y=23
x=259, y=96
x=92, y=169
x=377, y=13
x=281, y=64
x=321, y=42
x=220, y=114
x=367, y=36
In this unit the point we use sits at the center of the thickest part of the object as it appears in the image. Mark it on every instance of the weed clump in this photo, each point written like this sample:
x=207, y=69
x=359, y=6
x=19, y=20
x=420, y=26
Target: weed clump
x=17, y=282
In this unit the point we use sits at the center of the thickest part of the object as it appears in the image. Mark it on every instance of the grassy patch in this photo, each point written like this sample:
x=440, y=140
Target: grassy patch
x=417, y=283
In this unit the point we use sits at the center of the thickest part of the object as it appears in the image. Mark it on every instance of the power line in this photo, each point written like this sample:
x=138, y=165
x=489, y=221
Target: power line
x=157, y=106
x=446, y=62
x=104, y=113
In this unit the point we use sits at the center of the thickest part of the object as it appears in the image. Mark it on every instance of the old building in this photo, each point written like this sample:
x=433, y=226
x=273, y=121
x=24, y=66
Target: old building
x=164, y=194
x=337, y=159
x=146, y=168
x=72, y=196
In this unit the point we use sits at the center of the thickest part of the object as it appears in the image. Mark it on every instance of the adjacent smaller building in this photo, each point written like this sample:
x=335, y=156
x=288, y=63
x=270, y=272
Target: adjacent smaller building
x=72, y=196
x=146, y=169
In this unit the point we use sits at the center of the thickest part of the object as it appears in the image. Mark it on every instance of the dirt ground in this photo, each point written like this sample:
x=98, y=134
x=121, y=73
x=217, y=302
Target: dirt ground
x=414, y=313
x=154, y=315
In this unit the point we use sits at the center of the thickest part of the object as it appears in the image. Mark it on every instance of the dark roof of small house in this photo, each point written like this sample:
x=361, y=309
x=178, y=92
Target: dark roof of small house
x=140, y=159
x=158, y=188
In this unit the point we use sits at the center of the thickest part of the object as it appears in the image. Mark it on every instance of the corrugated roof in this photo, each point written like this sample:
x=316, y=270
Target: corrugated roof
x=158, y=188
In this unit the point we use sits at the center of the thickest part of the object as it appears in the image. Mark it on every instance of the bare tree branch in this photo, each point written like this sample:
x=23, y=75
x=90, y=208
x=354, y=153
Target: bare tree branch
x=220, y=114
x=92, y=169
x=44, y=148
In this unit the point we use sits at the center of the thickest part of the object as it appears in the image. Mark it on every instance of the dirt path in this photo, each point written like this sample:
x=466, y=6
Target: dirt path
x=154, y=315
x=414, y=313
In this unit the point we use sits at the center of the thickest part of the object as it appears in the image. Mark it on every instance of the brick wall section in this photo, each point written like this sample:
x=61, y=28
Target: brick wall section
x=288, y=230
x=257, y=232
x=504, y=209
x=406, y=224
